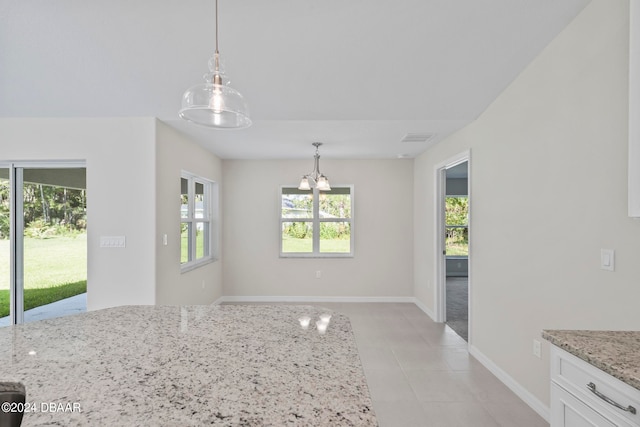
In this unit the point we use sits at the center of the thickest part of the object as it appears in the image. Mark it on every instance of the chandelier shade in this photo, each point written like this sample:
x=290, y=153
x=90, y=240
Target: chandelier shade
x=214, y=103
x=316, y=178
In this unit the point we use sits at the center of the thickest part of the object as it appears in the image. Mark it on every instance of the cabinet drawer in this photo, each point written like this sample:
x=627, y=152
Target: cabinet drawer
x=568, y=411
x=576, y=376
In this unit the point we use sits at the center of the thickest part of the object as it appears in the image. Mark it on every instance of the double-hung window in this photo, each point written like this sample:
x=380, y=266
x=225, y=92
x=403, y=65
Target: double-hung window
x=316, y=223
x=196, y=221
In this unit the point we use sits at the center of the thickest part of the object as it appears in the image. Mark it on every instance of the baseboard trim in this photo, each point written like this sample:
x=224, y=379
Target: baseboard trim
x=424, y=308
x=528, y=398
x=312, y=299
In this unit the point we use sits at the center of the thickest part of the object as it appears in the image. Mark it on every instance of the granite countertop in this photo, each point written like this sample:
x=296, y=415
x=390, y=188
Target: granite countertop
x=615, y=352
x=226, y=365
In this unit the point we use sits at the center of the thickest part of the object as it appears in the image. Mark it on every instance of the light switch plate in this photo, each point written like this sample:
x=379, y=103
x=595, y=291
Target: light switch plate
x=607, y=259
x=113, y=242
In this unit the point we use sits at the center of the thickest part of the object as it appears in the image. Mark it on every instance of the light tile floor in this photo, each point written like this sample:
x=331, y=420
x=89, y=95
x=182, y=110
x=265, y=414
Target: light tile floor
x=72, y=305
x=420, y=373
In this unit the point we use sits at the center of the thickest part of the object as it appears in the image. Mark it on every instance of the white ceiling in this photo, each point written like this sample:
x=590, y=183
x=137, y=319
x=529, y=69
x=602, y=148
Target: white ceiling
x=357, y=75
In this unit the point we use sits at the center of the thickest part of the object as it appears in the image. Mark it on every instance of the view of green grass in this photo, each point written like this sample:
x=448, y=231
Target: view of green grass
x=457, y=248
x=290, y=244
x=36, y=297
x=48, y=262
x=54, y=269
x=335, y=245
x=184, y=246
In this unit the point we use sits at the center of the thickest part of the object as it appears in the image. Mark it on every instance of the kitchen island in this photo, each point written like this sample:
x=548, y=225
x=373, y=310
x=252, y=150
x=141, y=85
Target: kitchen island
x=595, y=378
x=224, y=365
x=615, y=352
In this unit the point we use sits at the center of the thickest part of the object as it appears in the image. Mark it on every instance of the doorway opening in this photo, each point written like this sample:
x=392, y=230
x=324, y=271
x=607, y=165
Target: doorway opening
x=453, y=204
x=43, y=241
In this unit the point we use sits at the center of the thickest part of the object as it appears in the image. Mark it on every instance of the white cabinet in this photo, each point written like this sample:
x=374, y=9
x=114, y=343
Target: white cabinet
x=568, y=411
x=584, y=396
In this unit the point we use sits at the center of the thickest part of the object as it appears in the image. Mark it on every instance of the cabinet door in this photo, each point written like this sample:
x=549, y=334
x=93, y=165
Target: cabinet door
x=568, y=411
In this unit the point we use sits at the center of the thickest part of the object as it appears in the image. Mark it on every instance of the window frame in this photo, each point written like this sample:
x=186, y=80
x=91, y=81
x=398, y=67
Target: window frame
x=315, y=221
x=209, y=220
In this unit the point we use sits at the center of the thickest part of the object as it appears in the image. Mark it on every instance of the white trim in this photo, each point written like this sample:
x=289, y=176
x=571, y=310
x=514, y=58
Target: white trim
x=44, y=164
x=16, y=239
x=634, y=110
x=424, y=308
x=524, y=394
x=439, y=291
x=312, y=299
x=439, y=294
x=218, y=301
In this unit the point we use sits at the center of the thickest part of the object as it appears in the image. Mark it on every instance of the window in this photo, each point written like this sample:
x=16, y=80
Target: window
x=197, y=215
x=457, y=225
x=316, y=223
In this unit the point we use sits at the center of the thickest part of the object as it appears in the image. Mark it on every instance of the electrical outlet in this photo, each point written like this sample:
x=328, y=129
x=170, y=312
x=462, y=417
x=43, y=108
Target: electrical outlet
x=203, y=284
x=537, y=348
x=318, y=274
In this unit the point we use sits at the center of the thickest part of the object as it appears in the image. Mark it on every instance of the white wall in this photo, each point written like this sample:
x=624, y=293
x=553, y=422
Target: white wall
x=382, y=266
x=535, y=243
x=119, y=155
x=176, y=153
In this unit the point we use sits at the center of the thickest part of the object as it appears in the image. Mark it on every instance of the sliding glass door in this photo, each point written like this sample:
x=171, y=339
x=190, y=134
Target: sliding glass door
x=47, y=244
x=5, y=252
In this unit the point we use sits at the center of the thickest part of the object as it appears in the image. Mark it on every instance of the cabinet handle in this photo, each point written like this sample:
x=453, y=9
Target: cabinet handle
x=592, y=387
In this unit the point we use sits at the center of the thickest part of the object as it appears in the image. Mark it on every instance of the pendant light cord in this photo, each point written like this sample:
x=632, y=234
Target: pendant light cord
x=217, y=27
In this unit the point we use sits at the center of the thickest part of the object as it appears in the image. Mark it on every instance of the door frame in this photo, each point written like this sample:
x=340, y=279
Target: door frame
x=440, y=294
x=16, y=233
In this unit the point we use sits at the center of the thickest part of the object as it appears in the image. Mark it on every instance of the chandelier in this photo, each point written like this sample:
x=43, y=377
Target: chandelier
x=214, y=103
x=316, y=177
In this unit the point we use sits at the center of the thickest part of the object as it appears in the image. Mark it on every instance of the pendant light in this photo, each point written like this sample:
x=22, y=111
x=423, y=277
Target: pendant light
x=214, y=103
x=316, y=178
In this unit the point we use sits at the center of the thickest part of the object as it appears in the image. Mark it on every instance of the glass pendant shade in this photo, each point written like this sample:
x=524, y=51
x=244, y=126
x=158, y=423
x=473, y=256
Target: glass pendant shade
x=214, y=103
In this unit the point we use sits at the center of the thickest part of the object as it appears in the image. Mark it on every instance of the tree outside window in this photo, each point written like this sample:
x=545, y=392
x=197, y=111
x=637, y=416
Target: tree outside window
x=316, y=223
x=457, y=225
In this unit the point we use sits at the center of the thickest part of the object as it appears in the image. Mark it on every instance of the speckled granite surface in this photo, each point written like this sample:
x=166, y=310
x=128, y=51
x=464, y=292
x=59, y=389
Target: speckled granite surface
x=197, y=365
x=615, y=352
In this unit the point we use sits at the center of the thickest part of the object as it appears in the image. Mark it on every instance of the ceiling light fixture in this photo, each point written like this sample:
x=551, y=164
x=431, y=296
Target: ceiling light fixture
x=214, y=103
x=316, y=178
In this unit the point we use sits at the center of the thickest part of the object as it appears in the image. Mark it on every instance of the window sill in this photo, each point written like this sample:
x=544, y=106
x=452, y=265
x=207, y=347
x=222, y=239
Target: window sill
x=328, y=255
x=196, y=264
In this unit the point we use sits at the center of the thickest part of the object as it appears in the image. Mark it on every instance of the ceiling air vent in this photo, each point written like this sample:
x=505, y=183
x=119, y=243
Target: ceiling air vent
x=418, y=137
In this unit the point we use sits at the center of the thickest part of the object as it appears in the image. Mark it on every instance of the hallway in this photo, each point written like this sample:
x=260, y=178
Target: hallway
x=458, y=305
